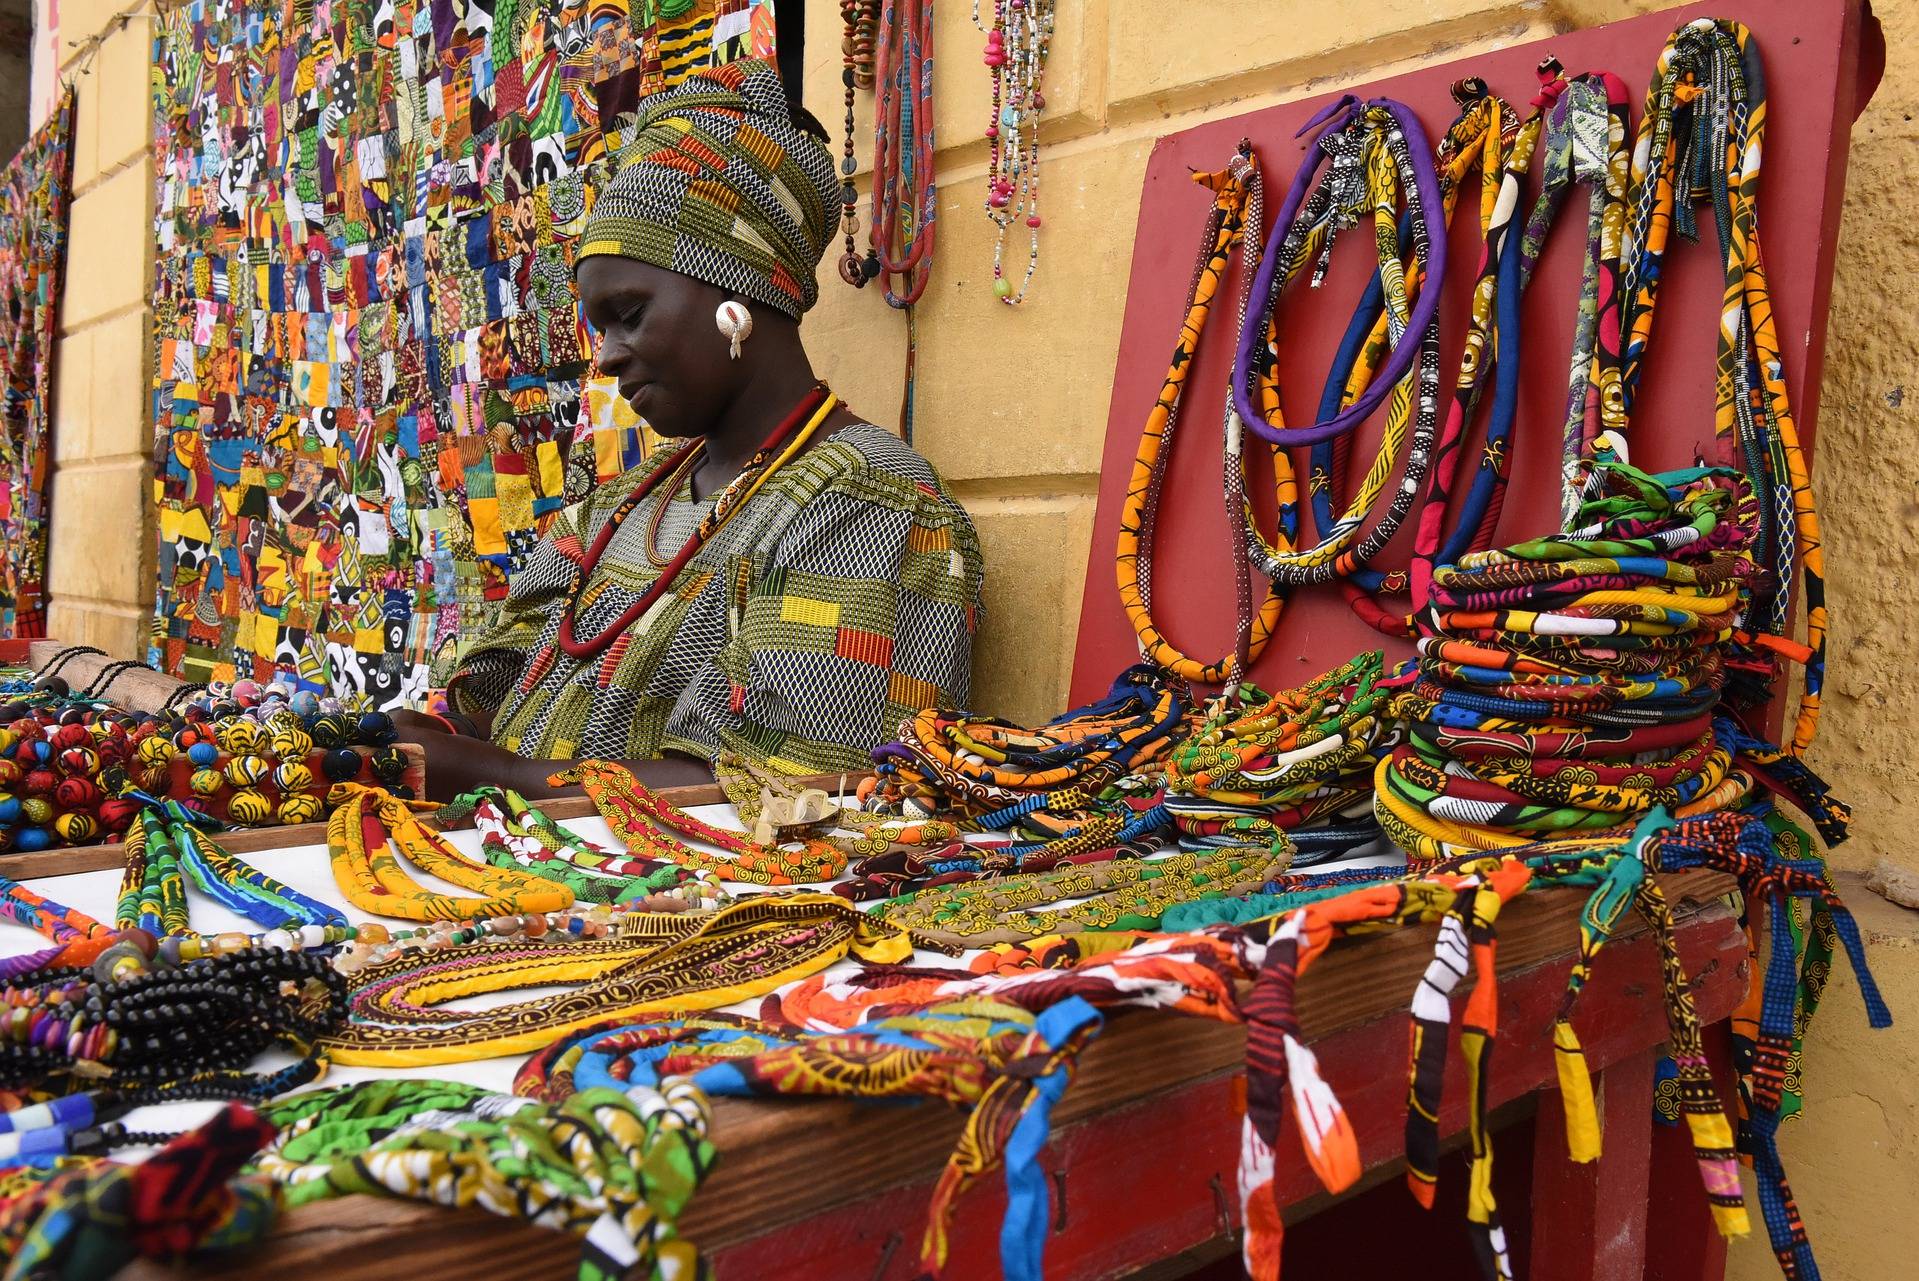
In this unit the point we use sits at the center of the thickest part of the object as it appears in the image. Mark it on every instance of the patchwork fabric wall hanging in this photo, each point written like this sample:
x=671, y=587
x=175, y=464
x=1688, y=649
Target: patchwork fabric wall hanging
x=373, y=384
x=35, y=190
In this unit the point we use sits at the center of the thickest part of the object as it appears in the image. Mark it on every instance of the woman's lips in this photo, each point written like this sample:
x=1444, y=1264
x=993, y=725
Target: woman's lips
x=632, y=397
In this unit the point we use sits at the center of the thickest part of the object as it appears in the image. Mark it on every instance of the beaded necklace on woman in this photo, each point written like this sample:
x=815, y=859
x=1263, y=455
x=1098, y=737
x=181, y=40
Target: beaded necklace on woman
x=781, y=445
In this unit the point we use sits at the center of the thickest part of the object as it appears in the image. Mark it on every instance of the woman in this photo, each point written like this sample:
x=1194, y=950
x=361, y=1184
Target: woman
x=788, y=582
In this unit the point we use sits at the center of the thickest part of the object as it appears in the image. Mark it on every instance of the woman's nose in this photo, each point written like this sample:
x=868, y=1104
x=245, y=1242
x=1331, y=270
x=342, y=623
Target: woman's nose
x=610, y=356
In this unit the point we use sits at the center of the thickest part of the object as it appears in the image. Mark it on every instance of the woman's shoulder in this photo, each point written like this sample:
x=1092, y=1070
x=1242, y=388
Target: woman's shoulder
x=864, y=458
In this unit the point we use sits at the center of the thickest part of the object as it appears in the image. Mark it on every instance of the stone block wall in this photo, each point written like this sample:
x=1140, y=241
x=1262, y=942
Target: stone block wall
x=101, y=561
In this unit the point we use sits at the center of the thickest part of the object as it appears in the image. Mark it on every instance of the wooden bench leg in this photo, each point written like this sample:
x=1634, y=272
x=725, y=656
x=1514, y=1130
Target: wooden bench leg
x=1589, y=1221
x=1686, y=1244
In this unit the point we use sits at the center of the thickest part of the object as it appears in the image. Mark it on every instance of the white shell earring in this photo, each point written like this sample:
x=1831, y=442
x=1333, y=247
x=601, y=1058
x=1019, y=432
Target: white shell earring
x=735, y=323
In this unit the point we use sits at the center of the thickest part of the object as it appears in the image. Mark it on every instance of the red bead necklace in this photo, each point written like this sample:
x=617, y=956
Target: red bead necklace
x=807, y=414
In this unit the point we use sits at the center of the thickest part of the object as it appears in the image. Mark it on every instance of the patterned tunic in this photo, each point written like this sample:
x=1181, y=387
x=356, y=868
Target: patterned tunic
x=836, y=603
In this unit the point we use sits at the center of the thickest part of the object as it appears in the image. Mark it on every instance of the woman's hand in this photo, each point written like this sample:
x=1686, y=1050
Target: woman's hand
x=455, y=764
x=409, y=724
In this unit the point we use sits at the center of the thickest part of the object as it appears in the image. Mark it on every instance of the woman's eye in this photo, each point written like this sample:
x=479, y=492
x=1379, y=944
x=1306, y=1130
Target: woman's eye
x=632, y=318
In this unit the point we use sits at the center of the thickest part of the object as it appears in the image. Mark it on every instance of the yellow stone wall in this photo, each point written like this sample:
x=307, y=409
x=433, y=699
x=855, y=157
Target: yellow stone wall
x=101, y=562
x=1013, y=406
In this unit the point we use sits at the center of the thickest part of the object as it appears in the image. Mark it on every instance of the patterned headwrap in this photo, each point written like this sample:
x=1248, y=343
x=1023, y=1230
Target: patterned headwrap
x=719, y=184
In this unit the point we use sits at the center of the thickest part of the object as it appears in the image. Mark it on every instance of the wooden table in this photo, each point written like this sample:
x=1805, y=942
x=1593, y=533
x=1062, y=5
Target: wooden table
x=1145, y=1144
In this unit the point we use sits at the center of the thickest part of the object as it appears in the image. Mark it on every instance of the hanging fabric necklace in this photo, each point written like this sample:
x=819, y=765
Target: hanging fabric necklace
x=905, y=195
x=643, y=820
x=779, y=448
x=1303, y=232
x=1017, y=46
x=1480, y=139
x=369, y=831
x=1492, y=350
x=1701, y=138
x=1585, y=141
x=1377, y=151
x=905, y=189
x=1238, y=204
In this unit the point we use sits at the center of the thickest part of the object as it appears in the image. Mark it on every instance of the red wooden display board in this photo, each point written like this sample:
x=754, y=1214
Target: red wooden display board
x=1816, y=81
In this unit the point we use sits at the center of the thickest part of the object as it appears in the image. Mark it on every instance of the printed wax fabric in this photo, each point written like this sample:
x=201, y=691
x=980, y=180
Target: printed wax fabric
x=372, y=388
x=841, y=600
x=35, y=190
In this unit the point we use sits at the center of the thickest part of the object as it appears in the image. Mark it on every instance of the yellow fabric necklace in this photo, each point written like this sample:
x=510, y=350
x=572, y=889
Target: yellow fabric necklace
x=371, y=828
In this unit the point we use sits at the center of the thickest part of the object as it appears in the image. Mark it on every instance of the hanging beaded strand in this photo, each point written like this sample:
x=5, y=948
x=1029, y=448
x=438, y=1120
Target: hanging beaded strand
x=1017, y=46
x=856, y=48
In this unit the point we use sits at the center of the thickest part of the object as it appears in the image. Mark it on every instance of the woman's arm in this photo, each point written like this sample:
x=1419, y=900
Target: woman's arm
x=455, y=764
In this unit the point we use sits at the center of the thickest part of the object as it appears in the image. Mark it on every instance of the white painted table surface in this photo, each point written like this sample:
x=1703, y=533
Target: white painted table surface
x=306, y=868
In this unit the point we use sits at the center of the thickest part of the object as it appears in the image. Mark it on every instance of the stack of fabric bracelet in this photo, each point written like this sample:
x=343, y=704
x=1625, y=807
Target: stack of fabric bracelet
x=1082, y=787
x=1567, y=685
x=1290, y=771
x=993, y=772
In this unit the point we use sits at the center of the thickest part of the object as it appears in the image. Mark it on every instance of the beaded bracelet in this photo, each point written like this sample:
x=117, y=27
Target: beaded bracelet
x=214, y=1014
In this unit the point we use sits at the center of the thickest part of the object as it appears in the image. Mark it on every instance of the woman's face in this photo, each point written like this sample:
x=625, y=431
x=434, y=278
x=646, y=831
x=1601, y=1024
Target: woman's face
x=659, y=340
